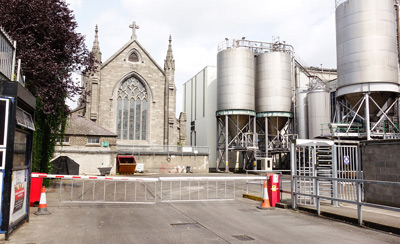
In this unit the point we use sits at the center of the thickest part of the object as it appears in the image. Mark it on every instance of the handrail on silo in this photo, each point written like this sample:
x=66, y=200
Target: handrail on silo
x=7, y=55
x=256, y=46
x=338, y=2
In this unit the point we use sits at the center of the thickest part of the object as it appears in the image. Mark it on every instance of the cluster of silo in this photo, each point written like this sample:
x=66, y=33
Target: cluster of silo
x=367, y=57
x=254, y=88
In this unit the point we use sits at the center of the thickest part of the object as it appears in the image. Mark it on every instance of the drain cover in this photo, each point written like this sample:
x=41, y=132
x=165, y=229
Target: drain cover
x=243, y=238
x=186, y=226
x=249, y=210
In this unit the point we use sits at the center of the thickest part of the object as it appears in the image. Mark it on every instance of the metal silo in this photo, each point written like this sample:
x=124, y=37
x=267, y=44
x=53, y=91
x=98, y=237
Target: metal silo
x=301, y=113
x=318, y=112
x=274, y=88
x=274, y=81
x=367, y=55
x=235, y=76
x=235, y=104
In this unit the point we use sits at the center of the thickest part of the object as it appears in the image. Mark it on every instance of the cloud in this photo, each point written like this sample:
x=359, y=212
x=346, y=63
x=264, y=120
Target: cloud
x=198, y=26
x=74, y=4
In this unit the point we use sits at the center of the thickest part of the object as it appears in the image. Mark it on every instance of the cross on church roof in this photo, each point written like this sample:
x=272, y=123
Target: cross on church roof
x=134, y=27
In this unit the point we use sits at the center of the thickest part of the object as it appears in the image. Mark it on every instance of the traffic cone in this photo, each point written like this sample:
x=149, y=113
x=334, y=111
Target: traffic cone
x=265, y=205
x=42, y=210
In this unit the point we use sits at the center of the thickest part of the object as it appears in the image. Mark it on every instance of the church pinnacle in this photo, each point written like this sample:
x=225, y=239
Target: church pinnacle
x=96, y=47
x=169, y=62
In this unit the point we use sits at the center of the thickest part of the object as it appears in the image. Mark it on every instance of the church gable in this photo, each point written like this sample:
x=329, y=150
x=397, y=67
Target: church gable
x=130, y=50
x=132, y=100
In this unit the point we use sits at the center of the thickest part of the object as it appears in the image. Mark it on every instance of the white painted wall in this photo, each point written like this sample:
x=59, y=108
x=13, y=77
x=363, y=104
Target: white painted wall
x=200, y=105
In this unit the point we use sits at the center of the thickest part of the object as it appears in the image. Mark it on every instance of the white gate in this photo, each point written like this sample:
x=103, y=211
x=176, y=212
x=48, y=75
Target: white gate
x=324, y=159
x=348, y=167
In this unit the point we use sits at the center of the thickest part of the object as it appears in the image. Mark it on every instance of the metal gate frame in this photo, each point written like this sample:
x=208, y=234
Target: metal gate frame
x=346, y=165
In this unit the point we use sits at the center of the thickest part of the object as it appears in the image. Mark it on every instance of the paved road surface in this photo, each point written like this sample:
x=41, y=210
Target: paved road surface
x=198, y=222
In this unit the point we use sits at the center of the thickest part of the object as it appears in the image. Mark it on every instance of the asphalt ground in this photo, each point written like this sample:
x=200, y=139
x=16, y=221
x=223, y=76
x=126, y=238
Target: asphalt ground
x=221, y=221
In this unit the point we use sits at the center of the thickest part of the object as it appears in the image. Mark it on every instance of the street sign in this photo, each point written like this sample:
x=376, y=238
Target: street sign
x=346, y=160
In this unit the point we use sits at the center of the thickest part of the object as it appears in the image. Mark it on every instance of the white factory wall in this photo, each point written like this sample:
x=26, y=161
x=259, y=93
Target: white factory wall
x=200, y=106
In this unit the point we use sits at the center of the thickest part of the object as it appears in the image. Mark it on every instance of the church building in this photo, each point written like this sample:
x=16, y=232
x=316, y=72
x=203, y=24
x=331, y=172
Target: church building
x=131, y=95
x=129, y=111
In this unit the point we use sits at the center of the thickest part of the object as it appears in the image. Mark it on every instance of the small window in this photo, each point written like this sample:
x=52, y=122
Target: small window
x=93, y=140
x=20, y=149
x=133, y=58
x=65, y=140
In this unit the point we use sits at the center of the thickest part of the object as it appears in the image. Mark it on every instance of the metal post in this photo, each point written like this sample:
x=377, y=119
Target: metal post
x=316, y=183
x=13, y=61
x=359, y=206
x=314, y=166
x=155, y=191
x=104, y=192
x=115, y=189
x=226, y=145
x=338, y=114
x=398, y=113
x=334, y=175
x=266, y=137
x=293, y=172
x=19, y=69
x=83, y=188
x=207, y=188
x=225, y=189
x=125, y=193
x=61, y=188
x=367, y=122
x=94, y=188
x=234, y=190
x=145, y=192
x=217, y=140
x=254, y=130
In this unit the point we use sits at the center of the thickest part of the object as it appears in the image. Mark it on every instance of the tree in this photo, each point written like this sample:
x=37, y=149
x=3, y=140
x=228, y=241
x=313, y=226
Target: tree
x=50, y=50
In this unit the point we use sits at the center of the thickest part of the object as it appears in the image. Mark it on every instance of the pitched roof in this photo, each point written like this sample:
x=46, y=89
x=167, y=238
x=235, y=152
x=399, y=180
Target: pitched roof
x=125, y=47
x=78, y=125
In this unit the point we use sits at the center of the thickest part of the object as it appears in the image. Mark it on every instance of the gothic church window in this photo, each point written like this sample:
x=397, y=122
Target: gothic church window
x=133, y=58
x=132, y=110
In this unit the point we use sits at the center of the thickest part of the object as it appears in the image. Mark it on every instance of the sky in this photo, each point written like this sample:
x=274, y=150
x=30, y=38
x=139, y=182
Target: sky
x=197, y=27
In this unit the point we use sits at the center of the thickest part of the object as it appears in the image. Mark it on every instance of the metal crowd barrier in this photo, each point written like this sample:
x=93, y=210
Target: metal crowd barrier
x=358, y=201
x=179, y=189
x=104, y=189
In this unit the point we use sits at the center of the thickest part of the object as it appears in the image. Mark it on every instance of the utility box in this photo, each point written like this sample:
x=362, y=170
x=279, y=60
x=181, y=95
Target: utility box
x=266, y=163
x=274, y=189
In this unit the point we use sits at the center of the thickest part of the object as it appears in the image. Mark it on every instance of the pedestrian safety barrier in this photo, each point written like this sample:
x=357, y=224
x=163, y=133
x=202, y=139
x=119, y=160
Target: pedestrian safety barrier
x=177, y=189
x=322, y=170
x=316, y=195
x=104, y=189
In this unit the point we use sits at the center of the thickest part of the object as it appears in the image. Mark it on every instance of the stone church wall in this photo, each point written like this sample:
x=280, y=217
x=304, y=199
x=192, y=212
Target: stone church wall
x=114, y=72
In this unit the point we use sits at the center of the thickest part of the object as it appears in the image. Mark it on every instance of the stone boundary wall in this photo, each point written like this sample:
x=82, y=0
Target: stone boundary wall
x=381, y=162
x=174, y=164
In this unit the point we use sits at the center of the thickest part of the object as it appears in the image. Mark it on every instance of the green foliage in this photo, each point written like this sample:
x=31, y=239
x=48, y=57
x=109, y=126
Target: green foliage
x=48, y=127
x=50, y=50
